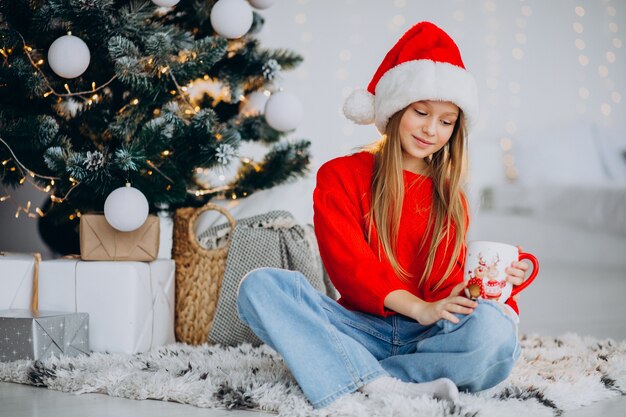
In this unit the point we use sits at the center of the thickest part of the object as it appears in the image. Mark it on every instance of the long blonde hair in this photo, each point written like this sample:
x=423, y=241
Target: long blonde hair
x=447, y=171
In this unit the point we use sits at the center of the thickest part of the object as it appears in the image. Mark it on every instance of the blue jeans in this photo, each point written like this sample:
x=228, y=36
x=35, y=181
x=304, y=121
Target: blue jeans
x=332, y=351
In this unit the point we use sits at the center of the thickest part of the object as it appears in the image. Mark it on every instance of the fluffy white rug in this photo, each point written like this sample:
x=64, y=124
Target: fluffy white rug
x=553, y=375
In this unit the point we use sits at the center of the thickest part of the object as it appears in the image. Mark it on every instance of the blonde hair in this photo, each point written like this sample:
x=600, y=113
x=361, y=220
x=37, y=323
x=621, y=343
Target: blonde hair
x=447, y=171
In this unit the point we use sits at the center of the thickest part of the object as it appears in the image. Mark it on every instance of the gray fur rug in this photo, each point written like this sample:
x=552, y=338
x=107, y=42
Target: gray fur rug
x=552, y=376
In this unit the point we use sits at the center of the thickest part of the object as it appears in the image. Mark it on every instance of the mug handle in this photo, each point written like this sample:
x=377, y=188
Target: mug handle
x=533, y=275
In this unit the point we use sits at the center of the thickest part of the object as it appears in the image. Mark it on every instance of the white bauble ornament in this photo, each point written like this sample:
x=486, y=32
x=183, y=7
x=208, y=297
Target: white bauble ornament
x=165, y=3
x=68, y=56
x=231, y=18
x=126, y=209
x=283, y=111
x=261, y=4
x=253, y=104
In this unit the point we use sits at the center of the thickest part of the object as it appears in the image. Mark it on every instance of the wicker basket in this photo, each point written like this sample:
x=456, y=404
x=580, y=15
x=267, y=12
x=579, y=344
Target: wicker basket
x=199, y=273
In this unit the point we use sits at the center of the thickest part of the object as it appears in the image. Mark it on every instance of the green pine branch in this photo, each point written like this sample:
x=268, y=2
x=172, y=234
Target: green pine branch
x=133, y=120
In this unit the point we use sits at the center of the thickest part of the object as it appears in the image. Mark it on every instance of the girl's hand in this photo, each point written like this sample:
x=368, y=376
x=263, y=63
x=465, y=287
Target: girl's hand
x=516, y=272
x=430, y=313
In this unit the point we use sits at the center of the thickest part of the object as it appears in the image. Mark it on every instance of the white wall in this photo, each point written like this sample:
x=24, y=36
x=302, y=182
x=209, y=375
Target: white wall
x=344, y=41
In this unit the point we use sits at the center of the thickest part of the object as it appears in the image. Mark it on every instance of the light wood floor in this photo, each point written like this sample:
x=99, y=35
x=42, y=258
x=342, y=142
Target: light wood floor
x=18, y=400
x=25, y=401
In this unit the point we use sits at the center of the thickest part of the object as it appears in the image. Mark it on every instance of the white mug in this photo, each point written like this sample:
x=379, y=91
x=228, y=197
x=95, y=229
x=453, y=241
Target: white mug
x=485, y=270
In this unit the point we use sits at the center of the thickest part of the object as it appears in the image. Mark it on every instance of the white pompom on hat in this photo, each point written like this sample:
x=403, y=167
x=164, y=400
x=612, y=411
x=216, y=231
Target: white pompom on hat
x=425, y=64
x=359, y=107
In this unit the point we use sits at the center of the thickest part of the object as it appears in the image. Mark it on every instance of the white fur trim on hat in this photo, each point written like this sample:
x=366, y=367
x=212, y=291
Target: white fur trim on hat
x=359, y=107
x=424, y=80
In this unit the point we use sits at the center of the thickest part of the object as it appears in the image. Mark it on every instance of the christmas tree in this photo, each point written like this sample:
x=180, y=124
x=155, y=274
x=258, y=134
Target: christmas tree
x=97, y=93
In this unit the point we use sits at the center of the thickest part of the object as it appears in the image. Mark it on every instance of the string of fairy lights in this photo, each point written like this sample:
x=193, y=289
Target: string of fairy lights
x=93, y=95
x=394, y=25
x=611, y=55
x=514, y=89
x=495, y=80
x=585, y=60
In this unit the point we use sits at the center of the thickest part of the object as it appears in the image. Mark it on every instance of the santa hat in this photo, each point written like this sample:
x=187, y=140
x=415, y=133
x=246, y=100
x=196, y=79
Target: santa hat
x=425, y=64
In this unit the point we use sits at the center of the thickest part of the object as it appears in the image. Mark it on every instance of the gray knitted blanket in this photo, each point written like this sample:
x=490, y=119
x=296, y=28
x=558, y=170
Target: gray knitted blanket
x=273, y=239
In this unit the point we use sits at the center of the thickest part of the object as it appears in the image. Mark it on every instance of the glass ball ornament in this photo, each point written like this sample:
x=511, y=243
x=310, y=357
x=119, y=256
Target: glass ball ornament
x=165, y=3
x=126, y=208
x=231, y=18
x=69, y=56
x=283, y=111
x=261, y=4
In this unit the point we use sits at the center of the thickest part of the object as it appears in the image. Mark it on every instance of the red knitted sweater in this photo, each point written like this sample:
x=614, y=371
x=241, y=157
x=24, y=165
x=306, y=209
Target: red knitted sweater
x=341, y=201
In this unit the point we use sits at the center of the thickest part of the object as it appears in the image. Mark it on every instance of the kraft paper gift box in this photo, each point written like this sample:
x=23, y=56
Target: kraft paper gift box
x=28, y=334
x=16, y=280
x=99, y=241
x=130, y=304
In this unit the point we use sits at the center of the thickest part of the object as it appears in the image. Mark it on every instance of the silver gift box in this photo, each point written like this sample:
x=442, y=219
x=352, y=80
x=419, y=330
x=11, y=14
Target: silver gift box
x=25, y=334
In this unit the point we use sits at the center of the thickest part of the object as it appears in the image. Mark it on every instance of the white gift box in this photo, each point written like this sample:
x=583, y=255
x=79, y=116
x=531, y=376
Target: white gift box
x=130, y=304
x=16, y=280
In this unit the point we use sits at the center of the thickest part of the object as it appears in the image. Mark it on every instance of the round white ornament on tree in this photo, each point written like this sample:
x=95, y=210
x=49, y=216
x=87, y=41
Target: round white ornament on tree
x=126, y=209
x=261, y=4
x=231, y=18
x=283, y=111
x=69, y=56
x=165, y=3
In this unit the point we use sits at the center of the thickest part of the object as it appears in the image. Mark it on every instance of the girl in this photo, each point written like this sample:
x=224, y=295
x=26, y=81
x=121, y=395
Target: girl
x=391, y=222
